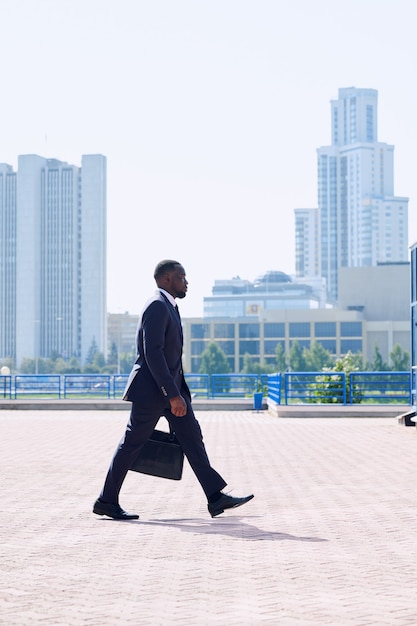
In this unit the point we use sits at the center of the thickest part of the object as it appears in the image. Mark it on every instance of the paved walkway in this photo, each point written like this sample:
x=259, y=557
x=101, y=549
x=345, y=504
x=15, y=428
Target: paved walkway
x=330, y=537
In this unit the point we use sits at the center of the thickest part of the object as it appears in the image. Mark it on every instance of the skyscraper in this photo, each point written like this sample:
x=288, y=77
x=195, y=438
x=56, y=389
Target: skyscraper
x=7, y=260
x=306, y=242
x=361, y=222
x=52, y=258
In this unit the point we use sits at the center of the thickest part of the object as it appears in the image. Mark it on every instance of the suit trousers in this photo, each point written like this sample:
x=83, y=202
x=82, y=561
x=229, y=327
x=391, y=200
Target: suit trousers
x=139, y=428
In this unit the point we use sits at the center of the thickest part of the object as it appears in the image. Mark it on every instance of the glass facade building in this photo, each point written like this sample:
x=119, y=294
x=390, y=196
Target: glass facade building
x=361, y=222
x=52, y=258
x=259, y=339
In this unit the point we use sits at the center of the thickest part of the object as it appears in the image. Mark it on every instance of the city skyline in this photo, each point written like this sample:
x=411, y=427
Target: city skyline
x=209, y=115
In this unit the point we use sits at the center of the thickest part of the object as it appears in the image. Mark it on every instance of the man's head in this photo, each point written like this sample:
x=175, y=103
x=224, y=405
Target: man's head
x=170, y=275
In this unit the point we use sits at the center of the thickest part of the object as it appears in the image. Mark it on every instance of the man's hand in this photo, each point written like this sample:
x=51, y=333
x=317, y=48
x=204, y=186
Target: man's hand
x=178, y=406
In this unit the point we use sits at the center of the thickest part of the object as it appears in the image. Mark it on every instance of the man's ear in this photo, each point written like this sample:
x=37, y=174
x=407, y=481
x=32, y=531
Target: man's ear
x=166, y=278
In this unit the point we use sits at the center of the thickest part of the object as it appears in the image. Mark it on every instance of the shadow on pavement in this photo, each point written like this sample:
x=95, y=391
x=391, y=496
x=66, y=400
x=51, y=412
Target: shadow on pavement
x=235, y=528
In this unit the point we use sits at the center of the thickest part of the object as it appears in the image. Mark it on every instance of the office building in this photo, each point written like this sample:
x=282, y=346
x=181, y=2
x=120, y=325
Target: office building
x=52, y=258
x=238, y=297
x=360, y=221
x=364, y=319
x=7, y=260
x=122, y=332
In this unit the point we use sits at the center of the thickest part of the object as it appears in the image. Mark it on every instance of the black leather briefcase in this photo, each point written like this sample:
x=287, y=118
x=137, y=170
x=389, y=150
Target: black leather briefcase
x=161, y=456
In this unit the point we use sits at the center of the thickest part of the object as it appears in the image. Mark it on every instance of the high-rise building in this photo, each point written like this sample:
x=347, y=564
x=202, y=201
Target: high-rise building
x=306, y=242
x=52, y=258
x=7, y=260
x=360, y=220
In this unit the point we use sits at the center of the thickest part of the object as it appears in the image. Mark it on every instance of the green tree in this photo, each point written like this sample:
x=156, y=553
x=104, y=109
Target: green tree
x=280, y=358
x=378, y=364
x=27, y=366
x=45, y=366
x=214, y=360
x=72, y=366
x=113, y=358
x=97, y=366
x=329, y=387
x=400, y=359
x=8, y=362
x=296, y=359
x=317, y=358
x=126, y=361
x=254, y=367
x=93, y=349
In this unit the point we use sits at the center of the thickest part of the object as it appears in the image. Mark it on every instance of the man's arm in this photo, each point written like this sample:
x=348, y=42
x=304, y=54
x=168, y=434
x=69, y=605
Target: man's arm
x=155, y=321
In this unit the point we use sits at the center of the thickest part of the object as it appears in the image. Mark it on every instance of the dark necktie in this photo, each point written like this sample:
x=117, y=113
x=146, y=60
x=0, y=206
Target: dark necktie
x=179, y=319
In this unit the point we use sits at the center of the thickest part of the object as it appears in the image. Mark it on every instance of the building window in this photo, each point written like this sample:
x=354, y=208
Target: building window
x=328, y=344
x=369, y=123
x=299, y=329
x=197, y=347
x=200, y=331
x=247, y=331
x=195, y=364
x=325, y=329
x=274, y=330
x=303, y=343
x=352, y=345
x=242, y=363
x=270, y=346
x=350, y=329
x=228, y=347
x=249, y=347
x=224, y=331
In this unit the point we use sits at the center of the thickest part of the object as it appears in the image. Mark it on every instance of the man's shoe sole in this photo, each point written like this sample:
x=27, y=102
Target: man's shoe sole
x=102, y=512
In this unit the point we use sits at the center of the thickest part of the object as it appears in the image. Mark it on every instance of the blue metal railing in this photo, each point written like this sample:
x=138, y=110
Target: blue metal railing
x=414, y=386
x=6, y=386
x=199, y=385
x=234, y=385
x=274, y=383
x=288, y=388
x=87, y=384
x=119, y=384
x=380, y=387
x=315, y=387
x=47, y=386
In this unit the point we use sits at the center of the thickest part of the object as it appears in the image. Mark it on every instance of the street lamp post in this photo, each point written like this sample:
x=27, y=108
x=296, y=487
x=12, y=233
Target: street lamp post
x=4, y=371
x=37, y=330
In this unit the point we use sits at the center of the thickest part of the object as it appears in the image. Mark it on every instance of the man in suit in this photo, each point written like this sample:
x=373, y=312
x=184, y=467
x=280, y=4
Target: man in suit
x=156, y=387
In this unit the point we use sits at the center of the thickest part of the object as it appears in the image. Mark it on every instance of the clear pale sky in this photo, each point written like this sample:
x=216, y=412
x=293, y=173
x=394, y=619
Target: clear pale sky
x=209, y=113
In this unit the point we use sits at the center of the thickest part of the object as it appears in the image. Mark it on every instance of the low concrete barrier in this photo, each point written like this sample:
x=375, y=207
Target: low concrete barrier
x=199, y=404
x=336, y=410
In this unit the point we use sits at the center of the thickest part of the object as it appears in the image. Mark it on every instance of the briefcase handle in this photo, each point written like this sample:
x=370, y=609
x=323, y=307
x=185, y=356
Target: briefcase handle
x=172, y=433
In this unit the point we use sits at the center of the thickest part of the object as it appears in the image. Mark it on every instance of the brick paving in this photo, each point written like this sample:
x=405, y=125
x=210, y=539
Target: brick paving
x=330, y=537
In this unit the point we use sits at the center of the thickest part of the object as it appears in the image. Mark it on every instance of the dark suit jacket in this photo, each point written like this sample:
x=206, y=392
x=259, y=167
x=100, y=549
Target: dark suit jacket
x=157, y=374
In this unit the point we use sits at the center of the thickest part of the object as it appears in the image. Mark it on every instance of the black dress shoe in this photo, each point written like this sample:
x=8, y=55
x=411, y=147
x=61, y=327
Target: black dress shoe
x=226, y=502
x=112, y=510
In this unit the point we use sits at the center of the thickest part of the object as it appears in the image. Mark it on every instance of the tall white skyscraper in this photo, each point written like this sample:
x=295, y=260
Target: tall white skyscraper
x=306, y=242
x=7, y=260
x=361, y=222
x=53, y=266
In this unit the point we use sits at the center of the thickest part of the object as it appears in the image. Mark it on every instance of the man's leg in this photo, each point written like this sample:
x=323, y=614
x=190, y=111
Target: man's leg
x=189, y=435
x=138, y=431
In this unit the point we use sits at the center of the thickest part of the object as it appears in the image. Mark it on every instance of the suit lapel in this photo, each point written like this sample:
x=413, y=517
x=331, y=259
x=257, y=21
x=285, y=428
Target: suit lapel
x=174, y=311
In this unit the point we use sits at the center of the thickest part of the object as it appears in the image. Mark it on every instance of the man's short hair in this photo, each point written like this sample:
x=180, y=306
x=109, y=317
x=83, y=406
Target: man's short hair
x=163, y=267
